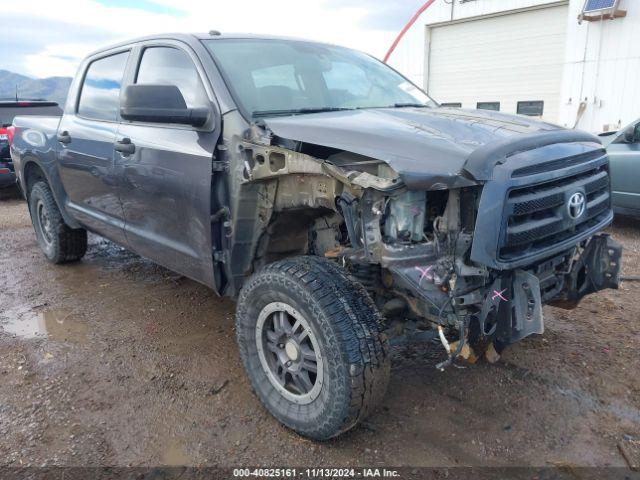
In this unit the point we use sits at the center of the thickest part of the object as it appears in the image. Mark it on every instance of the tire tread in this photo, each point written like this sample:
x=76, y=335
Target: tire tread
x=358, y=324
x=69, y=244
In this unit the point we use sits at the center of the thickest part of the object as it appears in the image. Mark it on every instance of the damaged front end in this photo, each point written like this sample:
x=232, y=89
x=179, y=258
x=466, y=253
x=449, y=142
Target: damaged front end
x=478, y=253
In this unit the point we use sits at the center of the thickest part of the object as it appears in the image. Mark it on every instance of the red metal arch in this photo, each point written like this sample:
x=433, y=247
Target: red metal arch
x=407, y=27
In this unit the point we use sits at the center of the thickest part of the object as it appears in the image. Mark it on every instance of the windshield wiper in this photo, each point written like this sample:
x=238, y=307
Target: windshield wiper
x=297, y=111
x=402, y=105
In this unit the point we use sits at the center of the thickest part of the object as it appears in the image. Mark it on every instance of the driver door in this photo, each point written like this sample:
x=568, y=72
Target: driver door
x=165, y=172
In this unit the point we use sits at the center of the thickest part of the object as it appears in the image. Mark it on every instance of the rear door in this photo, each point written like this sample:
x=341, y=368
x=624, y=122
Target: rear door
x=624, y=157
x=86, y=137
x=165, y=184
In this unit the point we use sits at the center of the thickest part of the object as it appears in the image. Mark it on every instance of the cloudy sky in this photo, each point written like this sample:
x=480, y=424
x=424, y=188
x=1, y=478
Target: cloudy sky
x=43, y=38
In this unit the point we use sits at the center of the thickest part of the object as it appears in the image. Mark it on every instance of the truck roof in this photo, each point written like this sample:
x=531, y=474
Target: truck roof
x=190, y=38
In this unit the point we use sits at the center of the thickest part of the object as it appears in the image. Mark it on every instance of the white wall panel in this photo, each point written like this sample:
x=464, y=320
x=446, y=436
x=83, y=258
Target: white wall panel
x=506, y=59
x=602, y=67
x=601, y=60
x=409, y=56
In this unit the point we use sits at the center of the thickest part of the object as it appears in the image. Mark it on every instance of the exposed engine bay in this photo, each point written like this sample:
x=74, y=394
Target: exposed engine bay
x=414, y=250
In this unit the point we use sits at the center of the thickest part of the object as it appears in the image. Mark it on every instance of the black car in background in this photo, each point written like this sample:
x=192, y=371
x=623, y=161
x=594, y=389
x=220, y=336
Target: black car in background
x=9, y=110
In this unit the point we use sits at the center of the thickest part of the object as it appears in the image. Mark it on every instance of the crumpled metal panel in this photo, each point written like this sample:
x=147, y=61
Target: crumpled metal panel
x=428, y=147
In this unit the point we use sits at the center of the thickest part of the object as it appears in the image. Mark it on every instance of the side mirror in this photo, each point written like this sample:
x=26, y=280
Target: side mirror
x=632, y=134
x=160, y=104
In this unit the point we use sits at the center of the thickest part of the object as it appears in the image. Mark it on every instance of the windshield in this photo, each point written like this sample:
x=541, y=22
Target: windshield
x=285, y=77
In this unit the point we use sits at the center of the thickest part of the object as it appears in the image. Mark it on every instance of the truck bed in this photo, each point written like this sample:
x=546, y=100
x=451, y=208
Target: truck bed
x=47, y=125
x=36, y=137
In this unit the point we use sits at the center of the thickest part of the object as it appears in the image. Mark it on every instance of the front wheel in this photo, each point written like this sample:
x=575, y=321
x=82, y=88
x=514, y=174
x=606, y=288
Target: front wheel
x=309, y=338
x=59, y=242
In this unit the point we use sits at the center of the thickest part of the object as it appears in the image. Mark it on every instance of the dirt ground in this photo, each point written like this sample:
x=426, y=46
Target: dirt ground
x=116, y=361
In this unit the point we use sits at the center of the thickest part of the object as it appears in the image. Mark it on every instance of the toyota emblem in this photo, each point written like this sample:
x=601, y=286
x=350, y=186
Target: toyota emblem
x=576, y=205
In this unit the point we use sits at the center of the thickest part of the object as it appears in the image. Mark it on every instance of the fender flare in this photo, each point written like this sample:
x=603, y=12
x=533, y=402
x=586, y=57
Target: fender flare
x=55, y=185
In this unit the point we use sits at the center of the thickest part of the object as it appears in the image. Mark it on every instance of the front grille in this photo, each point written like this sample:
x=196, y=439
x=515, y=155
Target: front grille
x=556, y=164
x=538, y=216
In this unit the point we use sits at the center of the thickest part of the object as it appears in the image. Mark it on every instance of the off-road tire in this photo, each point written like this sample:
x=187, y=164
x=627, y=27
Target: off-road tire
x=61, y=243
x=346, y=325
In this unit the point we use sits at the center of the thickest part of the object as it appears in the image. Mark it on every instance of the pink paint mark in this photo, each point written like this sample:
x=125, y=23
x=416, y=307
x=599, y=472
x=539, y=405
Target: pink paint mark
x=499, y=294
x=424, y=272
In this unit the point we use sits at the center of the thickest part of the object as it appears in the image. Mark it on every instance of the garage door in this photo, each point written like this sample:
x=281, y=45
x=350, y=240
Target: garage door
x=512, y=62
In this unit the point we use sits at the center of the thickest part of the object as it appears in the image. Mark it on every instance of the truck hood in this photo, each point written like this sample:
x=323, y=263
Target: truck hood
x=428, y=147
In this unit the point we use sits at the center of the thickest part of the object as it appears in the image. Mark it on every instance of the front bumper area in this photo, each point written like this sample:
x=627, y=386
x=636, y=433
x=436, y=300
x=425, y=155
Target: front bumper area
x=597, y=268
x=512, y=308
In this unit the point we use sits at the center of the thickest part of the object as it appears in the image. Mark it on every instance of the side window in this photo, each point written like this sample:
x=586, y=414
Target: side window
x=451, y=105
x=170, y=66
x=100, y=93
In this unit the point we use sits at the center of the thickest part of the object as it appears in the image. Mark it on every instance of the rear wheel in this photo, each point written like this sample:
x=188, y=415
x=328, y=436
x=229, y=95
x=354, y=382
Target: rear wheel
x=309, y=337
x=59, y=242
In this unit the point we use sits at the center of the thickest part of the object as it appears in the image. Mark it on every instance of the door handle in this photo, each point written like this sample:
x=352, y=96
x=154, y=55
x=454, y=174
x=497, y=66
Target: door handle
x=64, y=137
x=125, y=147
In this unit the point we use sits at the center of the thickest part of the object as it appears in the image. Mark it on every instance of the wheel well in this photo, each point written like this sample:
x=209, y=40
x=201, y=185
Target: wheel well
x=32, y=174
x=289, y=234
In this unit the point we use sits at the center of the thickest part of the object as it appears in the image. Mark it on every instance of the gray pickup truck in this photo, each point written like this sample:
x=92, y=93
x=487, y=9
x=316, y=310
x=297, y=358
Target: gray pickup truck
x=330, y=197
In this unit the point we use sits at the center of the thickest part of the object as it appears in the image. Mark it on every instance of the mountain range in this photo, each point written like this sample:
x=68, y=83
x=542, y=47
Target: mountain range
x=52, y=88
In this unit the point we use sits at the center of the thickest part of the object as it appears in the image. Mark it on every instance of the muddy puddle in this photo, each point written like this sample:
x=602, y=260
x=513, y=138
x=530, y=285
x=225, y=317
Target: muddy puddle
x=55, y=324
